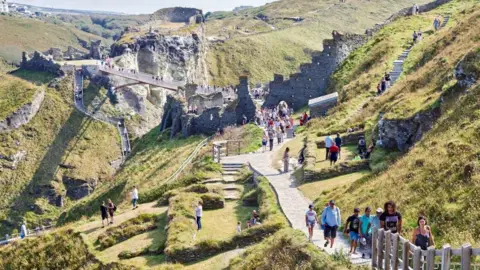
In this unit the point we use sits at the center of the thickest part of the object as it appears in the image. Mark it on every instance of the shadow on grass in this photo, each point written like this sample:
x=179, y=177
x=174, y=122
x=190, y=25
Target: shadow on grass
x=36, y=77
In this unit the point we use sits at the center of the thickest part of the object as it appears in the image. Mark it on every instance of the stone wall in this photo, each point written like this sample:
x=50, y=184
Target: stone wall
x=210, y=120
x=24, y=114
x=40, y=62
x=312, y=79
x=204, y=102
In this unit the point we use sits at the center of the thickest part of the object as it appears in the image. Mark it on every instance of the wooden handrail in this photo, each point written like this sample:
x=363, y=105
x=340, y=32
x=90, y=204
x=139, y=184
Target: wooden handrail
x=386, y=247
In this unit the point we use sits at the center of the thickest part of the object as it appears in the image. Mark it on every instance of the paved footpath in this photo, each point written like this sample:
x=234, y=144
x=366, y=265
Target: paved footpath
x=292, y=201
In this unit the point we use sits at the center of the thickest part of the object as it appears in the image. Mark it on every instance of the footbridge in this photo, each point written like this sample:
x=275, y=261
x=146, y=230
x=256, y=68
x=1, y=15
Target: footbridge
x=142, y=78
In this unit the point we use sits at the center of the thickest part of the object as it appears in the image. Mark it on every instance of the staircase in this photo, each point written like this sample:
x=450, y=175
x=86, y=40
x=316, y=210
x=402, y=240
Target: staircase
x=445, y=21
x=229, y=182
x=398, y=66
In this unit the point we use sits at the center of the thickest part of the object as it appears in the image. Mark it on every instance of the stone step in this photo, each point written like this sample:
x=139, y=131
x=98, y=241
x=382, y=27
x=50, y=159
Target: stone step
x=231, y=195
x=228, y=169
x=213, y=181
x=232, y=165
x=228, y=179
x=230, y=173
x=398, y=62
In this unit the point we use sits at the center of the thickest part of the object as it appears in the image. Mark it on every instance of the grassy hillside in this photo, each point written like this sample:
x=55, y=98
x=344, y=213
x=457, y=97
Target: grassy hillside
x=23, y=34
x=14, y=93
x=442, y=188
x=255, y=49
x=58, y=134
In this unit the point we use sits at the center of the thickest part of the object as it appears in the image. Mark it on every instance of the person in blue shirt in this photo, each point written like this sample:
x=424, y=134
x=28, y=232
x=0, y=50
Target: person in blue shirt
x=376, y=219
x=338, y=143
x=366, y=233
x=331, y=220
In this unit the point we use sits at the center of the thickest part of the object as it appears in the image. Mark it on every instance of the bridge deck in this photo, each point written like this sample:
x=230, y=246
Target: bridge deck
x=143, y=77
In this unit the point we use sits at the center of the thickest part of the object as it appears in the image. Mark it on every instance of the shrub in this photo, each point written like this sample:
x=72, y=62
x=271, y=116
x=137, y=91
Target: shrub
x=286, y=249
x=128, y=229
x=195, y=188
x=212, y=201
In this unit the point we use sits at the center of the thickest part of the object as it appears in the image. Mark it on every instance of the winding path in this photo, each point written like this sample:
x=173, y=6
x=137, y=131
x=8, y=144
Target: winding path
x=118, y=123
x=291, y=200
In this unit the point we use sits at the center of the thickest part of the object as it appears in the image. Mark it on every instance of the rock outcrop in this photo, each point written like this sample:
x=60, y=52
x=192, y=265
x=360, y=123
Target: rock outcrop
x=179, y=58
x=77, y=188
x=312, y=79
x=97, y=50
x=402, y=134
x=465, y=72
x=40, y=62
x=179, y=14
x=24, y=114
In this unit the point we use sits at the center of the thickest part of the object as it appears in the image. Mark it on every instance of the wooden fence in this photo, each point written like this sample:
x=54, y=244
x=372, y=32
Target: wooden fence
x=226, y=148
x=390, y=251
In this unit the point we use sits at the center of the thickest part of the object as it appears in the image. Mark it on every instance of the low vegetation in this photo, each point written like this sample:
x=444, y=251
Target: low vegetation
x=14, y=93
x=286, y=249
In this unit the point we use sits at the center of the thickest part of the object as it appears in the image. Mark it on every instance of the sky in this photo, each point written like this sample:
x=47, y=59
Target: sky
x=141, y=6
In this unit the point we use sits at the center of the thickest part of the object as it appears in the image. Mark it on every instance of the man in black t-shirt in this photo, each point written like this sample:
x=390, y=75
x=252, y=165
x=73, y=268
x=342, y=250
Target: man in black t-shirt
x=352, y=227
x=104, y=212
x=391, y=219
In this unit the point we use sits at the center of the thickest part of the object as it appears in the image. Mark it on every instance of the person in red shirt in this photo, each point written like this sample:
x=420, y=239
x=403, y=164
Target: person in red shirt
x=333, y=154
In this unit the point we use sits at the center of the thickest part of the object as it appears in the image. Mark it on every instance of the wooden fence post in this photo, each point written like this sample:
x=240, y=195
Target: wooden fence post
x=374, y=247
x=388, y=249
x=395, y=238
x=430, y=258
x=417, y=258
x=228, y=144
x=405, y=255
x=466, y=256
x=446, y=253
x=381, y=236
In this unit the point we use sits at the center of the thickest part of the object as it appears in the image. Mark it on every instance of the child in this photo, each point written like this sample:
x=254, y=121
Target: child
x=239, y=227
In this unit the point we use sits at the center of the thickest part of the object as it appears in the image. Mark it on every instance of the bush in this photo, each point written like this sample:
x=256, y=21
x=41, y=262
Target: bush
x=195, y=188
x=286, y=249
x=212, y=201
x=128, y=229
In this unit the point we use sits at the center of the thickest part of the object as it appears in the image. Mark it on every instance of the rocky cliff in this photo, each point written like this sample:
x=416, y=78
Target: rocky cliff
x=179, y=14
x=24, y=114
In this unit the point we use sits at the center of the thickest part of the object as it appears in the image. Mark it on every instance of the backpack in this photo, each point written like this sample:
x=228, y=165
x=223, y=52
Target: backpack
x=114, y=208
x=361, y=142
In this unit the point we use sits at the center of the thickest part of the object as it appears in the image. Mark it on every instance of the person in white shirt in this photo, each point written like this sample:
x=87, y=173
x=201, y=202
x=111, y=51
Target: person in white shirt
x=328, y=144
x=23, y=231
x=134, y=197
x=310, y=219
x=198, y=215
x=239, y=227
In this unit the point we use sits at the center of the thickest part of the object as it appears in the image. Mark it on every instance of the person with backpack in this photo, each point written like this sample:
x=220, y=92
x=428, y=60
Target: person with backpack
x=104, y=213
x=338, y=143
x=331, y=220
x=111, y=209
x=352, y=228
x=422, y=235
x=311, y=219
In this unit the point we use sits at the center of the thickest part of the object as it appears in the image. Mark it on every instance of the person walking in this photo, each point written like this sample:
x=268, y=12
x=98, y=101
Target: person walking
x=352, y=228
x=387, y=80
x=23, y=230
x=383, y=85
x=422, y=235
x=310, y=220
x=391, y=219
x=366, y=233
x=104, y=213
x=198, y=215
x=333, y=154
x=134, y=197
x=376, y=219
x=271, y=137
x=286, y=159
x=415, y=36
x=111, y=209
x=328, y=144
x=331, y=220
x=264, y=143
x=338, y=143
x=279, y=136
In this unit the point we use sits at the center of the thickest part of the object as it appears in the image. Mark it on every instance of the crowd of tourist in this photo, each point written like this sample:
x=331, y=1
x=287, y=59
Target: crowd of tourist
x=358, y=228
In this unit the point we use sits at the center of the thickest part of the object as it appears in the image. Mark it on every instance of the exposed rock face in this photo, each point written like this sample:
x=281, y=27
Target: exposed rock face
x=206, y=101
x=24, y=114
x=212, y=119
x=464, y=72
x=77, y=188
x=180, y=58
x=40, y=62
x=179, y=14
x=96, y=49
x=312, y=79
x=404, y=133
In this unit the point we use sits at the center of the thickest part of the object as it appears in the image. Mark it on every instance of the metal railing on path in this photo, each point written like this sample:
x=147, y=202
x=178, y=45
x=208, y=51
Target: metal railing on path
x=31, y=233
x=390, y=251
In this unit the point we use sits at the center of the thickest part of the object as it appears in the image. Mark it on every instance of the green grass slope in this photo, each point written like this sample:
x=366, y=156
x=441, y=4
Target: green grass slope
x=23, y=34
x=441, y=188
x=260, y=52
x=58, y=134
x=14, y=93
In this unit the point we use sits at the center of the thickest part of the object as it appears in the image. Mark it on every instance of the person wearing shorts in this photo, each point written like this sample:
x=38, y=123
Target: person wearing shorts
x=310, y=219
x=331, y=221
x=334, y=150
x=352, y=227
